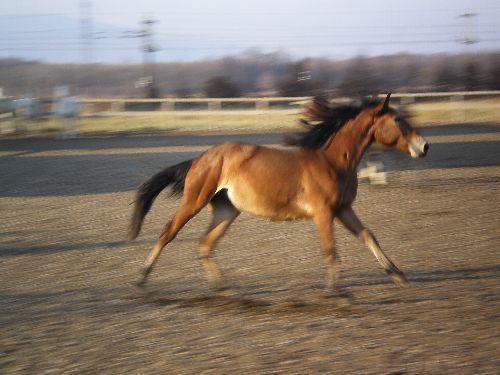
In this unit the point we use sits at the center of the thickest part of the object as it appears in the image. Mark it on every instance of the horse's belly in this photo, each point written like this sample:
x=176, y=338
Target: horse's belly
x=267, y=204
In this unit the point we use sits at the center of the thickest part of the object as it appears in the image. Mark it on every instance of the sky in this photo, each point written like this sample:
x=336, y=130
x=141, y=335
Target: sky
x=52, y=30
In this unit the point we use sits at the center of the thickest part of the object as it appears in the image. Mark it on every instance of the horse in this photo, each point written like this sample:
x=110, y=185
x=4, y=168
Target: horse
x=315, y=179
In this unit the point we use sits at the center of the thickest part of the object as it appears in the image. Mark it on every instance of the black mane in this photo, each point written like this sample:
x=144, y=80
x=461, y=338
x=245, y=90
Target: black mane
x=322, y=121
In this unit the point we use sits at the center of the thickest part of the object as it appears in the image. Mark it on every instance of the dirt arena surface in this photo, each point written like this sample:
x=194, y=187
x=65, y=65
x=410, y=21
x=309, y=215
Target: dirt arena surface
x=67, y=306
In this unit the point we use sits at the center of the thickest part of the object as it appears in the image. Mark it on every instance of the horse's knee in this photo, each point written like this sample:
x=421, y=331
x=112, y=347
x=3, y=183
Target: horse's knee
x=368, y=238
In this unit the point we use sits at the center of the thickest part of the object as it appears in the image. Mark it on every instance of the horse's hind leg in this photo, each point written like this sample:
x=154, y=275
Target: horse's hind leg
x=187, y=209
x=223, y=214
x=352, y=223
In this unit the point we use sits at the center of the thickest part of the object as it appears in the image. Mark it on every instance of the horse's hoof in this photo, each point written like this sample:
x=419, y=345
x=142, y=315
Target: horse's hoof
x=341, y=295
x=345, y=301
x=341, y=300
x=222, y=289
x=400, y=280
x=227, y=292
x=144, y=275
x=137, y=289
x=140, y=284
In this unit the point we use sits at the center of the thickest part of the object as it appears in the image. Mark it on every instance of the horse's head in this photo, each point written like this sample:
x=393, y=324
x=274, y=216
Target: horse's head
x=393, y=130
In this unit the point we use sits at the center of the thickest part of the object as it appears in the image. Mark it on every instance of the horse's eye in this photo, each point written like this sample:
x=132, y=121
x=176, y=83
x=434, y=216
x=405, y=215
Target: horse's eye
x=397, y=119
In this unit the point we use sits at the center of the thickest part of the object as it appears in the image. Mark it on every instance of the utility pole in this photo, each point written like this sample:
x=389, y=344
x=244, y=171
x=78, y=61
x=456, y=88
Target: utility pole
x=469, y=39
x=148, y=47
x=148, y=50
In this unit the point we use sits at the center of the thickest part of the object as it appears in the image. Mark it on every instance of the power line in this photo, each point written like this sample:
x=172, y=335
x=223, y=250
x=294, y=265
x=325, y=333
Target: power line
x=232, y=47
x=137, y=34
x=290, y=38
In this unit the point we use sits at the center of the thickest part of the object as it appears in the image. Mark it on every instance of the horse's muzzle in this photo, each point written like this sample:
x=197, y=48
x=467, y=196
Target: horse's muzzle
x=418, y=147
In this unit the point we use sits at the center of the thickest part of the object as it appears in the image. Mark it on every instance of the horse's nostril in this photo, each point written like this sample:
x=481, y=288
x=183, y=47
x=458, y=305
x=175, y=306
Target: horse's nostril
x=426, y=148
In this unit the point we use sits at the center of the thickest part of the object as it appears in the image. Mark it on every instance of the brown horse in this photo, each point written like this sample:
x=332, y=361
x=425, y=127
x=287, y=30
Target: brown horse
x=316, y=179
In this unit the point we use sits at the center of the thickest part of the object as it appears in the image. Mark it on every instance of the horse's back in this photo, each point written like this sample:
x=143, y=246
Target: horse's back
x=257, y=161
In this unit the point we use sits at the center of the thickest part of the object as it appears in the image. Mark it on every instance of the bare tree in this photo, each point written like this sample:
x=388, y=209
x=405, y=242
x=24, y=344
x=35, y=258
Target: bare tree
x=221, y=87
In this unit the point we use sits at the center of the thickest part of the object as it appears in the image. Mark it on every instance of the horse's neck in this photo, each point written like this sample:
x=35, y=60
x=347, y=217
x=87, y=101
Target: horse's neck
x=350, y=143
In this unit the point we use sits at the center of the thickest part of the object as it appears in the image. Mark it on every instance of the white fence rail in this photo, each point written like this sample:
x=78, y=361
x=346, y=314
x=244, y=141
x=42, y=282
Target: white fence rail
x=169, y=104
x=218, y=104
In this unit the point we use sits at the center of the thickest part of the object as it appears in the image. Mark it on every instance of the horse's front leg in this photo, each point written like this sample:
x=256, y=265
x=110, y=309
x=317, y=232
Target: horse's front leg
x=353, y=224
x=324, y=226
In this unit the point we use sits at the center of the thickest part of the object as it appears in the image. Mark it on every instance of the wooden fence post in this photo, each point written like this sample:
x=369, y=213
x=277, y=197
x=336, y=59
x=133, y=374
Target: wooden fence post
x=118, y=106
x=262, y=105
x=214, y=105
x=168, y=106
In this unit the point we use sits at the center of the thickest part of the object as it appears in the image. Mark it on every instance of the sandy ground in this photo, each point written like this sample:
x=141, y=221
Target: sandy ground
x=66, y=304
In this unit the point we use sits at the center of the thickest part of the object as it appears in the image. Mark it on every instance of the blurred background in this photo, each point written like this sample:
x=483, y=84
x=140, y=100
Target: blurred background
x=105, y=48
x=135, y=86
x=70, y=58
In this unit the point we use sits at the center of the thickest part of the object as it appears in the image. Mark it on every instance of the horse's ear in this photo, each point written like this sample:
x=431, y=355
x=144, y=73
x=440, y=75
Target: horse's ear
x=385, y=106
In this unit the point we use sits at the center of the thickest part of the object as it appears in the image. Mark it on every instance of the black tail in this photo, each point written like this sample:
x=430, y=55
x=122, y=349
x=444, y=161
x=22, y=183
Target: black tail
x=149, y=190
